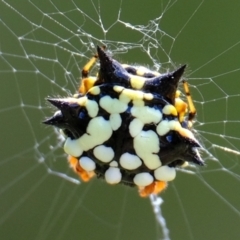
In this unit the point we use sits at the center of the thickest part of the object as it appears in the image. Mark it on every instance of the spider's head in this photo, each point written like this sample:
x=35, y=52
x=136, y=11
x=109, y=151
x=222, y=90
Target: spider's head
x=67, y=117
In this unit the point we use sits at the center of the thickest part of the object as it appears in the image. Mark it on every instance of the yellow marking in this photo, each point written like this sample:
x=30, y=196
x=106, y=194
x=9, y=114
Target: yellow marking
x=177, y=94
x=86, y=84
x=146, y=114
x=138, y=103
x=88, y=65
x=127, y=95
x=94, y=90
x=181, y=108
x=118, y=88
x=170, y=110
x=148, y=96
x=133, y=94
x=186, y=133
x=142, y=70
x=137, y=82
x=163, y=128
x=175, y=125
x=192, y=109
x=124, y=98
x=82, y=101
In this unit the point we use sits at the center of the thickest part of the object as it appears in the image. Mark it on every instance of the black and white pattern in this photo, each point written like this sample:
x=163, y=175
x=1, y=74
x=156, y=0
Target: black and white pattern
x=127, y=128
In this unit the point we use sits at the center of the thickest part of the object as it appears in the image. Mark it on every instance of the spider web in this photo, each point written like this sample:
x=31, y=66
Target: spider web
x=43, y=46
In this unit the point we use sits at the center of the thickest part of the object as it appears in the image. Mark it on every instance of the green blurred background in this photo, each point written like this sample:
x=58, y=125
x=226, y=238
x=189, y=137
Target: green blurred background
x=35, y=204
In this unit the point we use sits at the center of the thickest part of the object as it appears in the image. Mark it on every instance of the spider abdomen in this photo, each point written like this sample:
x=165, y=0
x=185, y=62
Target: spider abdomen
x=133, y=131
x=126, y=128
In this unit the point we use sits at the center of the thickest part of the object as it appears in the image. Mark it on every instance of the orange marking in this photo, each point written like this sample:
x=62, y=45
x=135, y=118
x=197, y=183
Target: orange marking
x=154, y=188
x=192, y=109
x=181, y=108
x=86, y=84
x=84, y=175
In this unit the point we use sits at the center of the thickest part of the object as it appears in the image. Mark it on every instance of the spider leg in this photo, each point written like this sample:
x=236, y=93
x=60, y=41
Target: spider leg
x=88, y=66
x=87, y=82
x=192, y=109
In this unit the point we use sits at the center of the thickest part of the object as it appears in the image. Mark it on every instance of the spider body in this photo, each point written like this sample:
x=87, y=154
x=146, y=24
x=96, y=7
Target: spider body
x=127, y=125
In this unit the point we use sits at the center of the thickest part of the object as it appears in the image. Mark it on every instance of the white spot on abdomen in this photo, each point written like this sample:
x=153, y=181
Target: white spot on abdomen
x=143, y=179
x=163, y=128
x=135, y=127
x=115, y=121
x=165, y=173
x=87, y=164
x=130, y=161
x=99, y=130
x=103, y=153
x=92, y=108
x=146, y=145
x=113, y=164
x=113, y=175
x=112, y=105
x=72, y=147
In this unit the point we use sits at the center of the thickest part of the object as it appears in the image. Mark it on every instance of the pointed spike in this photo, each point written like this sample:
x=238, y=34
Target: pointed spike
x=178, y=73
x=68, y=109
x=55, y=119
x=195, y=143
x=111, y=71
x=188, y=137
x=194, y=156
x=105, y=60
x=67, y=117
x=63, y=103
x=192, y=141
x=165, y=85
x=191, y=154
x=56, y=102
x=48, y=121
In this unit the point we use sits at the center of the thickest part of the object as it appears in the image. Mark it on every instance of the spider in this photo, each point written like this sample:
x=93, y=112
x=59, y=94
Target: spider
x=128, y=125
